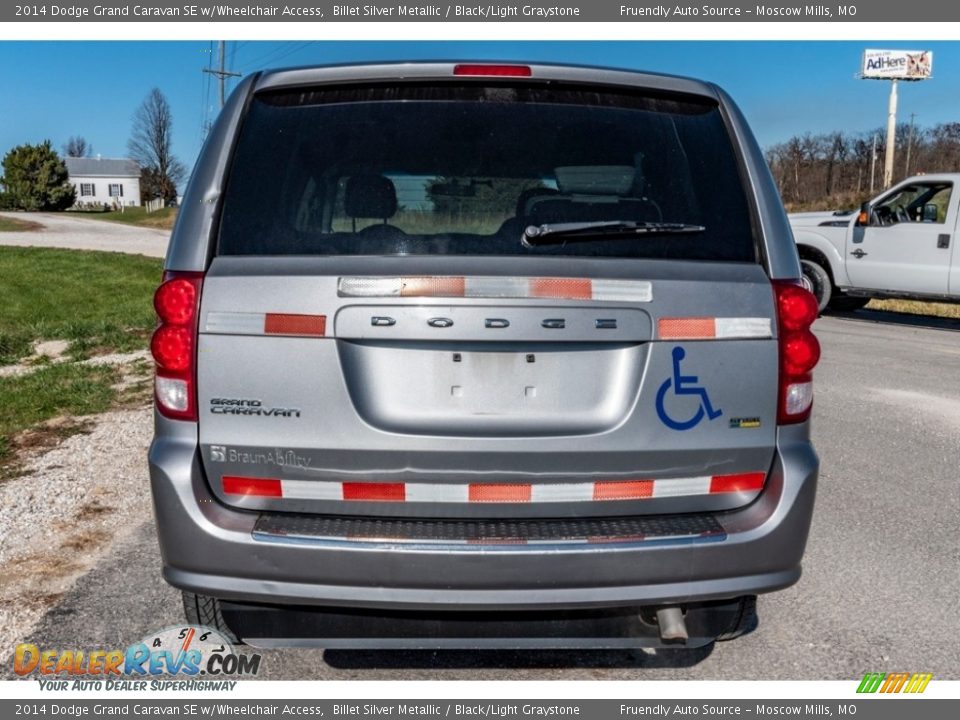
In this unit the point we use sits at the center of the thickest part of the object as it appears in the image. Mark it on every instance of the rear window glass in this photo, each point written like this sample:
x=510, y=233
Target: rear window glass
x=465, y=168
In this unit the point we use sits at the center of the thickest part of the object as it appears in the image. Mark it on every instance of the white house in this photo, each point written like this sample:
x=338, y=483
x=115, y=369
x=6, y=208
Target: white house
x=99, y=181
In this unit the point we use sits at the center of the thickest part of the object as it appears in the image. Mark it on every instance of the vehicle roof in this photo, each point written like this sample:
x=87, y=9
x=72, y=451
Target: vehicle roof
x=443, y=70
x=931, y=177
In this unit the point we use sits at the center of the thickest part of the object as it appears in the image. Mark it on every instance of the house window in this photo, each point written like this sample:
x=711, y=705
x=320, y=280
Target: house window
x=87, y=190
x=116, y=190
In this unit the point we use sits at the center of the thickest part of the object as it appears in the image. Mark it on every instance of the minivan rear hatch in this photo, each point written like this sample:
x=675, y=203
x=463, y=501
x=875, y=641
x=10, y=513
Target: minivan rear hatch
x=486, y=298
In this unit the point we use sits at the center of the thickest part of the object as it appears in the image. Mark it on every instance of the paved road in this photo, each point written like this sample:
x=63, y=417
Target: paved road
x=63, y=231
x=882, y=572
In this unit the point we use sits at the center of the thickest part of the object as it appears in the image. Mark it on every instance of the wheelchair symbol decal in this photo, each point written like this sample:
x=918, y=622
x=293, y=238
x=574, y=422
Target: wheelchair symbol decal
x=684, y=385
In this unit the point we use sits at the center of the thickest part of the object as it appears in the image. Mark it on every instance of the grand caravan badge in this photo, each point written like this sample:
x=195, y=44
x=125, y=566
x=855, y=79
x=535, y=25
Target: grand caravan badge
x=244, y=406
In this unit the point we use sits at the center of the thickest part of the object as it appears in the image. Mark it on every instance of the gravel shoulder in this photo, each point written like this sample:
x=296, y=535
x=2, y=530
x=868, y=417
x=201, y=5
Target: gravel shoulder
x=66, y=511
x=62, y=231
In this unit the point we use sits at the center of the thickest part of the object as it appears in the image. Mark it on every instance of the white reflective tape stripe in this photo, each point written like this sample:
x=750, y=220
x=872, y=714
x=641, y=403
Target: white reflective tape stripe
x=743, y=327
x=562, y=492
x=311, y=490
x=679, y=487
x=623, y=290
x=234, y=323
x=496, y=287
x=435, y=492
x=369, y=287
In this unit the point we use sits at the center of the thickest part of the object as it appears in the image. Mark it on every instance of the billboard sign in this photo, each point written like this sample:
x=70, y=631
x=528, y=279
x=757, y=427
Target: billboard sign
x=897, y=64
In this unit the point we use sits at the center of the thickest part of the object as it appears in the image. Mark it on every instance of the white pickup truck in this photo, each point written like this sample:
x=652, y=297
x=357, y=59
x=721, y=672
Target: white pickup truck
x=900, y=244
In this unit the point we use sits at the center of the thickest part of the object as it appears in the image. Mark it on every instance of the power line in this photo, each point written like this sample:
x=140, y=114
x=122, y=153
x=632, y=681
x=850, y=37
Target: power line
x=222, y=74
x=304, y=46
x=276, y=54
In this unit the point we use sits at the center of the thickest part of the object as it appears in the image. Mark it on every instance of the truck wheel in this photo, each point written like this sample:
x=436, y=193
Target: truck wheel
x=847, y=303
x=745, y=622
x=819, y=282
x=203, y=610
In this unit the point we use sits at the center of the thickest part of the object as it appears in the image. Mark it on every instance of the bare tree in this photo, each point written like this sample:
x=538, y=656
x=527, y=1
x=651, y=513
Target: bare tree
x=833, y=169
x=150, y=144
x=77, y=146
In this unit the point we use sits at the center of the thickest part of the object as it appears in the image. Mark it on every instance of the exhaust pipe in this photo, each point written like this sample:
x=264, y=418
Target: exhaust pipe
x=671, y=623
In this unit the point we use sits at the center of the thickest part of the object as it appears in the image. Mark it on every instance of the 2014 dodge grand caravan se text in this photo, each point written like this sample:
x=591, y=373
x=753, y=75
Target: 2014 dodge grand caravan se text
x=471, y=354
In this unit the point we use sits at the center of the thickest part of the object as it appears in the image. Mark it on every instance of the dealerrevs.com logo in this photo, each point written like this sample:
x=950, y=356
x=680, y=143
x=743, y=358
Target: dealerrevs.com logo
x=199, y=657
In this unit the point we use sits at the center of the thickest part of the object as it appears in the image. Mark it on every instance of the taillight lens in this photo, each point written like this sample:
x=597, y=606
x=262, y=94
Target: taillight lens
x=175, y=301
x=174, y=344
x=172, y=347
x=799, y=350
x=796, y=307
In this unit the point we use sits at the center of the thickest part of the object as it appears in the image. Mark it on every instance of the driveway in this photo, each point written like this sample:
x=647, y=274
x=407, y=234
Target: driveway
x=61, y=230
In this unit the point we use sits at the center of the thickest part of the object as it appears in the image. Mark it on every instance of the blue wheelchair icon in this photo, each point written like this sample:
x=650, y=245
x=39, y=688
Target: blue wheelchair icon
x=684, y=385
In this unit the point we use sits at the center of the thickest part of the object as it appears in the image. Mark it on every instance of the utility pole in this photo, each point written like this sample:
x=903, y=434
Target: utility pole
x=906, y=171
x=221, y=74
x=873, y=162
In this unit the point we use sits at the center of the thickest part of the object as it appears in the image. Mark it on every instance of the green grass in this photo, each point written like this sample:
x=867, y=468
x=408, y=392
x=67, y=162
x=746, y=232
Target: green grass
x=97, y=301
x=916, y=307
x=65, y=389
x=162, y=219
x=9, y=224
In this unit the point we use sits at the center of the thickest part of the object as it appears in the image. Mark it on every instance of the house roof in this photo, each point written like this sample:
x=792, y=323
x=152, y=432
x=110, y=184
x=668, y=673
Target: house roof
x=102, y=167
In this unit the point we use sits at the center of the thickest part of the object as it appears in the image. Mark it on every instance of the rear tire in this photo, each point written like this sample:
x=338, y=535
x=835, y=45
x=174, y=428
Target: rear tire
x=819, y=281
x=745, y=622
x=203, y=610
x=847, y=303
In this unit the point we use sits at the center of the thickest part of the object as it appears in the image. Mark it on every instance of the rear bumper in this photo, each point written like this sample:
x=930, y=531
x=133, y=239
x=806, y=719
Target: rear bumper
x=210, y=549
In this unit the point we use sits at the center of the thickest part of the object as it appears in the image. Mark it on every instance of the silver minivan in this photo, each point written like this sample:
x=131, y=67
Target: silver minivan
x=473, y=354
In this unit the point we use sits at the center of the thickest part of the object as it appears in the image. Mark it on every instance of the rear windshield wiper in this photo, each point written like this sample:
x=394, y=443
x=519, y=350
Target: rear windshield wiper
x=554, y=233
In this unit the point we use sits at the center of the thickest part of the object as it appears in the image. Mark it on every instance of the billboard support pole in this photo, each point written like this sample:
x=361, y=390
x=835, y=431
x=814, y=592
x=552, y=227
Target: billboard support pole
x=895, y=65
x=891, y=135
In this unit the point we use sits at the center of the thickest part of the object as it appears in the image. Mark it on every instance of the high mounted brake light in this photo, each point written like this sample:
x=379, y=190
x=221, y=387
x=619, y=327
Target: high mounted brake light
x=799, y=350
x=174, y=344
x=480, y=70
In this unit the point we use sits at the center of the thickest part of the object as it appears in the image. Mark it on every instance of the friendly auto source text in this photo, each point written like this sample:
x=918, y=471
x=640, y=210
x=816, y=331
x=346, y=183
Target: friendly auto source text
x=712, y=11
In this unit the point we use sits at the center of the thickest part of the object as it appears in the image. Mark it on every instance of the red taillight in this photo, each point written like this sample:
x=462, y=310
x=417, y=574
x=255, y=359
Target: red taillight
x=799, y=350
x=172, y=347
x=174, y=344
x=796, y=307
x=175, y=301
x=480, y=70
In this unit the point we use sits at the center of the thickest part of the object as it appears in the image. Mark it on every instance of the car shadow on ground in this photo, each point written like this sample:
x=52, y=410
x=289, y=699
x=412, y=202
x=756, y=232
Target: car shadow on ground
x=883, y=317
x=515, y=659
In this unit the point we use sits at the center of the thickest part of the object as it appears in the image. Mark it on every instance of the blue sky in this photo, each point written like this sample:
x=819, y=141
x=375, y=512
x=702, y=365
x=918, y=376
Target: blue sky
x=92, y=89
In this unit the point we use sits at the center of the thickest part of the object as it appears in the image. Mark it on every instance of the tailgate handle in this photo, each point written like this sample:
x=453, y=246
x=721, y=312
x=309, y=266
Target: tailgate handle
x=606, y=324
x=496, y=323
x=554, y=323
x=382, y=321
